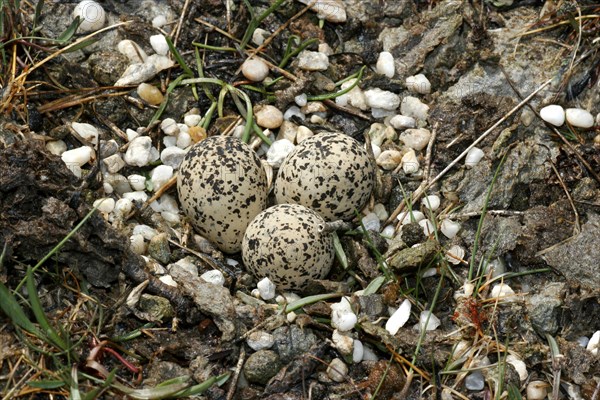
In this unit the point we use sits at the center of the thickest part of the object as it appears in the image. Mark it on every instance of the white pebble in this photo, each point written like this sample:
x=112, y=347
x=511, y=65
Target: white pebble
x=132, y=51
x=170, y=217
x=260, y=340
x=137, y=244
x=429, y=272
x=416, y=139
x=169, y=127
x=519, y=365
x=118, y=182
x=433, y=323
x=139, y=152
x=369, y=354
x=214, y=276
x=385, y=64
x=138, y=196
x=475, y=381
x=114, y=163
x=593, y=345
x=428, y=227
x=583, y=341
x=371, y=222
x=407, y=218
x=183, y=128
x=137, y=182
x=413, y=107
x=291, y=317
x=259, y=36
x=329, y=10
x=381, y=212
x=342, y=316
x=168, y=280
x=455, y=254
x=160, y=175
x=410, y=162
x=355, y=97
x=376, y=151
x=389, y=231
x=159, y=44
x=537, y=390
x=579, y=118
x=56, y=147
x=402, y=122
x=378, y=113
x=358, y=351
x=377, y=98
x=266, y=288
x=301, y=100
x=553, y=114
x=107, y=187
x=431, y=202
x=131, y=134
x=159, y=21
x=450, y=228
x=325, y=49
x=343, y=343
x=86, y=131
x=268, y=116
x=92, y=15
x=278, y=151
x=337, y=370
x=172, y=156
x=501, y=290
x=255, y=69
x=77, y=157
x=147, y=232
x=184, y=140
x=192, y=120
x=293, y=111
x=399, y=317
x=418, y=84
x=389, y=159
x=313, y=61
x=473, y=156
x=123, y=207
x=105, y=205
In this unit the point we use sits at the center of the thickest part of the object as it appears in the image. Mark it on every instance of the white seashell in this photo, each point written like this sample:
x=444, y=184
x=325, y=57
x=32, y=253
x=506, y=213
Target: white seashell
x=473, y=157
x=428, y=227
x=450, y=228
x=519, y=365
x=431, y=202
x=455, y=254
x=537, y=390
x=501, y=290
x=553, y=114
x=407, y=218
x=92, y=15
x=399, y=317
x=579, y=118
x=593, y=346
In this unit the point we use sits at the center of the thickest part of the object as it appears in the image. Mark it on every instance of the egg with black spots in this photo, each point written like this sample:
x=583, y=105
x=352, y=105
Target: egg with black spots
x=288, y=244
x=330, y=173
x=222, y=187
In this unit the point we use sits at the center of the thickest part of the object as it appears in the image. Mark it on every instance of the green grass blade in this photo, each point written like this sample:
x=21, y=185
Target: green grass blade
x=295, y=305
x=47, y=384
x=11, y=307
x=202, y=387
x=339, y=250
x=329, y=96
x=69, y=32
x=38, y=12
x=374, y=285
x=178, y=58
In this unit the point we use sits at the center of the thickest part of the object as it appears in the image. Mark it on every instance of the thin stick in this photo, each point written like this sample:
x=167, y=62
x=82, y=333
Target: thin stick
x=577, y=228
x=236, y=372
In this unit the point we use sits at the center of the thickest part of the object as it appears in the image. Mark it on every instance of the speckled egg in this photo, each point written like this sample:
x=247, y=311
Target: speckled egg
x=330, y=173
x=222, y=187
x=287, y=244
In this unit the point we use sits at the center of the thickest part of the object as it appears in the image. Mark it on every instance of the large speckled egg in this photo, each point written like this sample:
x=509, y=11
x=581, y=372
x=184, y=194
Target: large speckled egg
x=287, y=244
x=330, y=173
x=222, y=187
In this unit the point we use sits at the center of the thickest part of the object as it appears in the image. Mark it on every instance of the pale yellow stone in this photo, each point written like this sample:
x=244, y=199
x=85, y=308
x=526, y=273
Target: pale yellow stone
x=150, y=94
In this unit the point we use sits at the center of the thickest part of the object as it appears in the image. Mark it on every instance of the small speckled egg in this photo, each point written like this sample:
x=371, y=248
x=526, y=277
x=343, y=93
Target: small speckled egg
x=330, y=173
x=287, y=244
x=222, y=187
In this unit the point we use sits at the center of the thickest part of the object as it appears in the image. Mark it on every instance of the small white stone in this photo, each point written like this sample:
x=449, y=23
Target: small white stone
x=138, y=196
x=168, y=280
x=131, y=134
x=132, y=51
x=537, y=390
x=159, y=63
x=582, y=341
x=77, y=157
x=123, y=207
x=450, y=228
x=301, y=100
x=579, y=118
x=170, y=217
x=255, y=69
x=389, y=231
x=329, y=10
x=214, y=276
x=160, y=175
x=159, y=21
x=473, y=156
x=433, y=323
x=325, y=49
x=150, y=94
x=146, y=231
x=260, y=340
x=183, y=128
x=455, y=254
x=105, y=205
x=291, y=317
x=376, y=151
x=553, y=114
x=137, y=244
x=56, y=147
x=428, y=227
x=385, y=64
x=159, y=44
x=355, y=97
x=259, y=36
x=381, y=212
x=343, y=343
x=118, y=182
x=170, y=141
x=357, y=351
x=407, y=218
x=410, y=162
x=429, y=272
x=519, y=365
x=413, y=107
x=379, y=113
x=431, y=202
x=501, y=290
x=278, y=151
x=593, y=346
x=337, y=370
x=403, y=122
x=172, y=156
x=86, y=131
x=266, y=289
x=389, y=159
x=107, y=187
x=187, y=264
x=342, y=316
x=169, y=127
x=255, y=293
x=313, y=61
x=137, y=182
x=418, y=84
x=92, y=16
x=399, y=317
x=377, y=98
x=293, y=111
x=192, y=120
x=416, y=139
x=139, y=151
x=371, y=222
x=268, y=116
x=184, y=140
